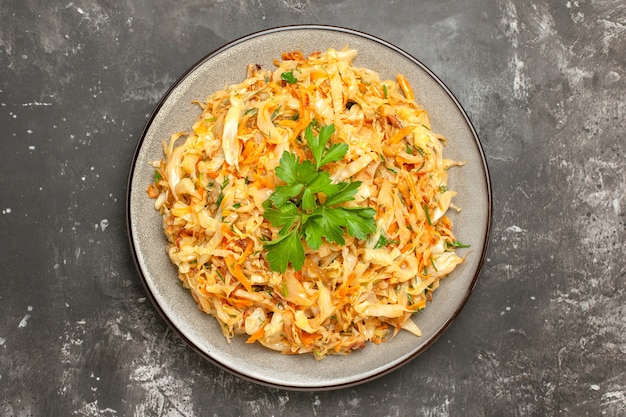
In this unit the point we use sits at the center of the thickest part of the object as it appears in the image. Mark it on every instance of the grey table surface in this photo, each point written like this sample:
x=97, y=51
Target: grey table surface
x=544, y=332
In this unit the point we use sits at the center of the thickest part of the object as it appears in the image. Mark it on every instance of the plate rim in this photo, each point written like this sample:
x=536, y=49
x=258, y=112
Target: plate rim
x=476, y=141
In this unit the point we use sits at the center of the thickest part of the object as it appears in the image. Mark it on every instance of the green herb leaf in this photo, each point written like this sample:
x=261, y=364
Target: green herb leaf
x=296, y=208
x=251, y=111
x=359, y=221
x=217, y=271
x=427, y=215
x=331, y=222
x=323, y=184
x=286, y=250
x=313, y=232
x=346, y=193
x=275, y=113
x=293, y=171
x=432, y=262
x=320, y=184
x=220, y=197
x=283, y=193
x=335, y=153
x=289, y=77
x=285, y=216
x=383, y=241
x=457, y=244
x=314, y=143
x=317, y=145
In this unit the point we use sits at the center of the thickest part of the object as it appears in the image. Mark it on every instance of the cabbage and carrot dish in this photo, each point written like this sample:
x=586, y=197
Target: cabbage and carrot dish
x=306, y=207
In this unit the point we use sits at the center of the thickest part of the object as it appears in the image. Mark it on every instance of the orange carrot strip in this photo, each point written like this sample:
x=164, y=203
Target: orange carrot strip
x=287, y=122
x=252, y=157
x=248, y=148
x=344, y=289
x=405, y=86
x=226, y=231
x=256, y=335
x=417, y=305
x=400, y=134
x=309, y=338
x=406, y=247
x=249, y=249
x=238, y=273
x=318, y=74
x=238, y=302
x=265, y=180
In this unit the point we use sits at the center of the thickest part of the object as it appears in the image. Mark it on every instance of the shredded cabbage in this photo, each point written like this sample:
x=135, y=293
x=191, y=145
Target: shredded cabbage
x=210, y=191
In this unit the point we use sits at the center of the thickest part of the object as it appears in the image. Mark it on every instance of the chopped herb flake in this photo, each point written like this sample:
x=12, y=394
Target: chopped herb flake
x=288, y=77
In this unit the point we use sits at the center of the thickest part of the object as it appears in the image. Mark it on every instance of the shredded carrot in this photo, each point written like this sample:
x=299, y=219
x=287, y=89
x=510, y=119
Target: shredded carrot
x=400, y=134
x=226, y=232
x=344, y=289
x=407, y=247
x=264, y=180
x=406, y=88
x=256, y=335
x=310, y=338
x=240, y=303
x=237, y=272
x=247, y=252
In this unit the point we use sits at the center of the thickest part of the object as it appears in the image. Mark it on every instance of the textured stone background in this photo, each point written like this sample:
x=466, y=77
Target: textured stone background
x=545, y=330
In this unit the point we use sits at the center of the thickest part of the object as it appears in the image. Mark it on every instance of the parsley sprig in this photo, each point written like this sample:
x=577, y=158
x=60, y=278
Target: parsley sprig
x=309, y=206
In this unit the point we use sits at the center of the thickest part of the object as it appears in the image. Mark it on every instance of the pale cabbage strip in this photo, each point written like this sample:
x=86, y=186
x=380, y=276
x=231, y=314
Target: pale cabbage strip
x=211, y=188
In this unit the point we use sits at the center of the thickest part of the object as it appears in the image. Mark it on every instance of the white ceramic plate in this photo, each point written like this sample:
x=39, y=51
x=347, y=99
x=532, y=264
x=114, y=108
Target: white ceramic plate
x=176, y=112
